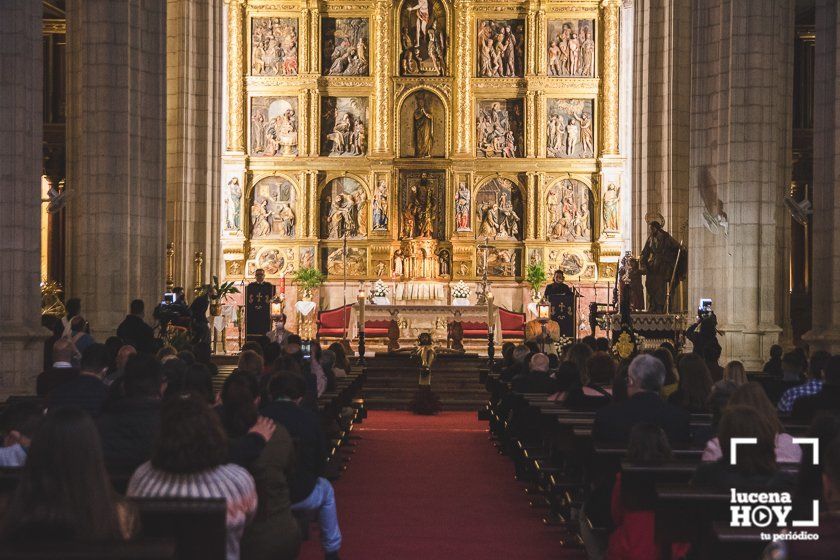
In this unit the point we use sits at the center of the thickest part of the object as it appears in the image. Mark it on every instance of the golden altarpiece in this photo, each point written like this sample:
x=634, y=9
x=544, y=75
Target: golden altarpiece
x=413, y=131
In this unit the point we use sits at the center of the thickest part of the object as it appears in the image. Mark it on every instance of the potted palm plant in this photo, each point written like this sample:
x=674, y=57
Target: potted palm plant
x=535, y=277
x=308, y=279
x=219, y=293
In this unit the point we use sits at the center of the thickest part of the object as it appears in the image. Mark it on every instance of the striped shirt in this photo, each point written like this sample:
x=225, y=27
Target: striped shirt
x=231, y=482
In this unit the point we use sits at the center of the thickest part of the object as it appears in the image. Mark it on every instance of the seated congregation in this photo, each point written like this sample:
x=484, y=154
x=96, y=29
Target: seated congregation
x=157, y=454
x=631, y=459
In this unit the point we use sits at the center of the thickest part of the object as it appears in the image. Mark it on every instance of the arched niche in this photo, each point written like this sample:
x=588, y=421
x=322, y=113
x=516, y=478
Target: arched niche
x=344, y=208
x=568, y=211
x=423, y=38
x=422, y=130
x=499, y=209
x=274, y=208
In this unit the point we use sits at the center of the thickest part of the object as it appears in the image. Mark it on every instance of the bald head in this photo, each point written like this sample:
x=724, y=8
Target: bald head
x=62, y=350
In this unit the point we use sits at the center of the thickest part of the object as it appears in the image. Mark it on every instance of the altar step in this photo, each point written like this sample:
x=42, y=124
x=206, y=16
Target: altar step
x=392, y=380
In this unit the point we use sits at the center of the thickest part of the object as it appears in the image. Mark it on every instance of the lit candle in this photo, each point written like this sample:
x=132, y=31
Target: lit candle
x=362, y=299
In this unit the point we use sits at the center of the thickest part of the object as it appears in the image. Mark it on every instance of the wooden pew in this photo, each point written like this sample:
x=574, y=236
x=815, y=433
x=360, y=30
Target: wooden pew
x=143, y=549
x=198, y=526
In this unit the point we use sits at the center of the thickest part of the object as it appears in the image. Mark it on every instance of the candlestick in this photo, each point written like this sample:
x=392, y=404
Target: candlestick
x=362, y=300
x=490, y=322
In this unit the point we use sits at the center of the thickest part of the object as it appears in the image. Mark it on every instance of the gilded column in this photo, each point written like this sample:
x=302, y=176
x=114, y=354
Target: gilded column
x=304, y=38
x=530, y=132
x=532, y=201
x=539, y=48
x=462, y=69
x=312, y=199
x=538, y=194
x=530, y=28
x=611, y=11
x=236, y=75
x=382, y=78
x=310, y=19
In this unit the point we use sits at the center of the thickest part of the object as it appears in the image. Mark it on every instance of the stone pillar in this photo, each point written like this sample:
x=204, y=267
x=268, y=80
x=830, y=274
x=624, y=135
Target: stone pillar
x=661, y=104
x=825, y=331
x=742, y=58
x=116, y=143
x=193, y=140
x=21, y=125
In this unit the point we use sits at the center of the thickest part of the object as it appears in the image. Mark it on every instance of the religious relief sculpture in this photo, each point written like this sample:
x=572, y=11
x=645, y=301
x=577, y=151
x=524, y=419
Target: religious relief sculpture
x=334, y=261
x=274, y=126
x=499, y=125
x=500, y=262
x=345, y=51
x=232, y=197
x=500, y=48
x=499, y=210
x=610, y=208
x=570, y=263
x=270, y=260
x=571, y=48
x=380, y=206
x=307, y=257
x=273, y=209
x=423, y=38
x=422, y=126
x=344, y=126
x=568, y=212
x=274, y=46
x=463, y=205
x=569, y=131
x=421, y=205
x=343, y=209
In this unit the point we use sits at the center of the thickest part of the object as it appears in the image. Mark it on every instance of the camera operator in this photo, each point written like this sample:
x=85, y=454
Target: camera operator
x=176, y=312
x=703, y=333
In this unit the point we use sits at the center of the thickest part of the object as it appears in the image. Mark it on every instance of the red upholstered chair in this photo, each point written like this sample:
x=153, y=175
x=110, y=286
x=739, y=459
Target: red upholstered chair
x=377, y=328
x=331, y=324
x=513, y=324
x=474, y=329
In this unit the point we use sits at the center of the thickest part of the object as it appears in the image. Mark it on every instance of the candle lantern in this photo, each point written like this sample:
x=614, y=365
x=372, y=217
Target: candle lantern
x=543, y=311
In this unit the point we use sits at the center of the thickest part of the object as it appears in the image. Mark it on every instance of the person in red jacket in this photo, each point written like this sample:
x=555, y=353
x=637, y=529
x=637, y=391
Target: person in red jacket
x=632, y=499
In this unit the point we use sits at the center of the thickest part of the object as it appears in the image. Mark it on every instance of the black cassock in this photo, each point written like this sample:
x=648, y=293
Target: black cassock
x=258, y=309
x=561, y=298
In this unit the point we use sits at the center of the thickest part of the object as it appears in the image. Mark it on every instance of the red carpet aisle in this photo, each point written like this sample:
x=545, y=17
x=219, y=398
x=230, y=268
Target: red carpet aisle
x=433, y=488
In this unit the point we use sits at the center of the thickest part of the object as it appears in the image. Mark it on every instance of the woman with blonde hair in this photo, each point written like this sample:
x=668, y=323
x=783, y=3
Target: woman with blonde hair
x=752, y=395
x=735, y=373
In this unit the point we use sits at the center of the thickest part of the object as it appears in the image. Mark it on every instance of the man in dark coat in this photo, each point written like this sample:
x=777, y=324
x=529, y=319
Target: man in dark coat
x=805, y=408
x=134, y=330
x=258, y=297
x=644, y=382
x=129, y=424
x=561, y=297
x=61, y=370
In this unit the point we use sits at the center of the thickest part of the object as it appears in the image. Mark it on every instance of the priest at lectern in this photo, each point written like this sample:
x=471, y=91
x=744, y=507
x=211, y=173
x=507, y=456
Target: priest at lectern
x=561, y=298
x=258, y=296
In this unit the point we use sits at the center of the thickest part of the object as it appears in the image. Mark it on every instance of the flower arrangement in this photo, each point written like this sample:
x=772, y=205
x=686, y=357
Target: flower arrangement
x=379, y=289
x=563, y=342
x=461, y=290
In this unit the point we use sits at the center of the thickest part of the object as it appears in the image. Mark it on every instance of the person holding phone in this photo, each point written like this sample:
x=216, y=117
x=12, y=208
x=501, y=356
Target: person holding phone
x=703, y=333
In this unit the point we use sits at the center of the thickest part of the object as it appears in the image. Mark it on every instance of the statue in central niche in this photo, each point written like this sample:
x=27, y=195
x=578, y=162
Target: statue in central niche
x=421, y=209
x=423, y=129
